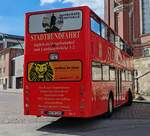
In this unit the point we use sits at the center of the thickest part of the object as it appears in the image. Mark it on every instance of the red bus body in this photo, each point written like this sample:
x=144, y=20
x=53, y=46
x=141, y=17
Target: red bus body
x=73, y=89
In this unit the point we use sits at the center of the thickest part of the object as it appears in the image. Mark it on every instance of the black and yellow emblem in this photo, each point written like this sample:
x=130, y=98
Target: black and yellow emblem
x=40, y=72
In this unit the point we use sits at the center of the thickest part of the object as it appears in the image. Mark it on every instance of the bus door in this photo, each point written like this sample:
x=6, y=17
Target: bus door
x=118, y=87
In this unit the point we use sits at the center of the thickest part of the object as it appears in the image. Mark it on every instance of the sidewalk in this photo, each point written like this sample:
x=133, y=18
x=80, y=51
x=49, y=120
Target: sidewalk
x=11, y=91
x=142, y=99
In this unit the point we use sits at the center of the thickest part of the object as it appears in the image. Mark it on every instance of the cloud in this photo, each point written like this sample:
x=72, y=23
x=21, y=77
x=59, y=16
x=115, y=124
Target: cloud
x=96, y=5
x=43, y=2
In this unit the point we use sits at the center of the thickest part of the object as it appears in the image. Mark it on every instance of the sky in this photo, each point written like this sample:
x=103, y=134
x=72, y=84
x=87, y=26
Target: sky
x=12, y=12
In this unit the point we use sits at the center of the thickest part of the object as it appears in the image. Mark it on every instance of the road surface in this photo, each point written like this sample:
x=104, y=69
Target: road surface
x=126, y=121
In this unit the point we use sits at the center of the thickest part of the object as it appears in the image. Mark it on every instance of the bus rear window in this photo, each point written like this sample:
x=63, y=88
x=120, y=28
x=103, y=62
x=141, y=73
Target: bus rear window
x=55, y=21
x=54, y=71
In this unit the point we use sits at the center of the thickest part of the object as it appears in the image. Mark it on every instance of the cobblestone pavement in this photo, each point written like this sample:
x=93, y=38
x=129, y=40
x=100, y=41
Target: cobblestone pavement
x=126, y=121
x=136, y=111
x=11, y=110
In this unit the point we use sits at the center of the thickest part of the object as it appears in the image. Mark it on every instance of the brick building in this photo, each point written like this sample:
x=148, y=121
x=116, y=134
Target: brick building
x=131, y=20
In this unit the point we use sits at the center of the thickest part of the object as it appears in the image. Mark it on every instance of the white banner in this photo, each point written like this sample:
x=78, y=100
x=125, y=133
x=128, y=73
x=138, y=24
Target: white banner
x=55, y=21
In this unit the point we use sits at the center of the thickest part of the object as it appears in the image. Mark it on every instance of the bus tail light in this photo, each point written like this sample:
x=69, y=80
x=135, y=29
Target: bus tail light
x=26, y=90
x=27, y=105
x=27, y=95
x=82, y=105
x=81, y=90
x=82, y=102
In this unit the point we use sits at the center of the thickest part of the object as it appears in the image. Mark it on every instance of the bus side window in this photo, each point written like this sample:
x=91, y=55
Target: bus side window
x=104, y=31
x=105, y=69
x=96, y=71
x=127, y=75
x=112, y=74
x=95, y=26
x=121, y=44
x=130, y=76
x=111, y=36
x=117, y=41
x=125, y=47
x=123, y=75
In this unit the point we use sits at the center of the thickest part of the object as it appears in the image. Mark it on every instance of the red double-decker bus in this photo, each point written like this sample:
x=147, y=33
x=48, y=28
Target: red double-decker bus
x=75, y=65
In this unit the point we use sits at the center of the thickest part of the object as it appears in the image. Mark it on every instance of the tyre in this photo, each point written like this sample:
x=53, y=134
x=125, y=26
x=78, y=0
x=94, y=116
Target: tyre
x=110, y=107
x=129, y=99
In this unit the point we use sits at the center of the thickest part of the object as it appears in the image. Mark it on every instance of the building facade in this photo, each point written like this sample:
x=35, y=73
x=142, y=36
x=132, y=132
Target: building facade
x=11, y=46
x=17, y=74
x=6, y=66
x=131, y=20
x=8, y=41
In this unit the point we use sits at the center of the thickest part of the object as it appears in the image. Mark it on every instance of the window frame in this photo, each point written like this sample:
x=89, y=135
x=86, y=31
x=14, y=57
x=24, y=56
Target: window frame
x=97, y=67
x=113, y=69
x=107, y=71
x=91, y=18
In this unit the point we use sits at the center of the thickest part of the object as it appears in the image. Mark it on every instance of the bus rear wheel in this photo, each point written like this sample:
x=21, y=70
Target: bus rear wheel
x=129, y=99
x=110, y=107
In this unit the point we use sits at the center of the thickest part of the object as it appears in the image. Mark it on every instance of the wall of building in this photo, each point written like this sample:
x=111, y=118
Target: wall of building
x=4, y=70
x=133, y=25
x=18, y=72
x=6, y=55
x=143, y=66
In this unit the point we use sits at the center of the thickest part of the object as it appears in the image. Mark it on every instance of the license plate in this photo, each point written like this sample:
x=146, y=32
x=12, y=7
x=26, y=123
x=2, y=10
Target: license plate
x=54, y=113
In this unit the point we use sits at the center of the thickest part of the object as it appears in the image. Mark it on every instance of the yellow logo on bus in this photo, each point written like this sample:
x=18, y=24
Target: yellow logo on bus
x=40, y=71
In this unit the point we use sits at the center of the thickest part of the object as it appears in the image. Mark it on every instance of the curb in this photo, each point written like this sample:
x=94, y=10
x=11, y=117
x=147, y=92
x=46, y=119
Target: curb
x=16, y=92
x=145, y=102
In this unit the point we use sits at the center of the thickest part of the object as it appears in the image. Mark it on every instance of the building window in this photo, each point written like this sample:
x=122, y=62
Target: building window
x=4, y=56
x=11, y=44
x=13, y=68
x=146, y=52
x=1, y=46
x=19, y=82
x=3, y=70
x=145, y=16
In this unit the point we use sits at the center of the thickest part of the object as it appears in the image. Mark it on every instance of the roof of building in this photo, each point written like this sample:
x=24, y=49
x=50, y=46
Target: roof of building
x=6, y=50
x=18, y=46
x=18, y=57
x=10, y=36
